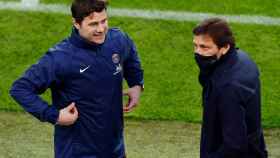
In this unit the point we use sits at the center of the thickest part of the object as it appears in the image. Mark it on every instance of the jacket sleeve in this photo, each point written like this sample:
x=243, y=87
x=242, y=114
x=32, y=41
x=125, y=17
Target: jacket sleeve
x=231, y=111
x=35, y=81
x=133, y=72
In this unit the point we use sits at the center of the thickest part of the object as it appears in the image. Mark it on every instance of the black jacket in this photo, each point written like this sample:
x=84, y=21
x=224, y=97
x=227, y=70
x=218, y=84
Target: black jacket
x=232, y=109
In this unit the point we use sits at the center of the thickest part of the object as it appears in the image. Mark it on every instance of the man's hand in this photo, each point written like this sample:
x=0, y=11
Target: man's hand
x=68, y=115
x=133, y=94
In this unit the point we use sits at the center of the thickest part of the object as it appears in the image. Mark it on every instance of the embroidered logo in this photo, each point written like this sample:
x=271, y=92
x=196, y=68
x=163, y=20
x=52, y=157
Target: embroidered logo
x=84, y=69
x=116, y=58
x=118, y=69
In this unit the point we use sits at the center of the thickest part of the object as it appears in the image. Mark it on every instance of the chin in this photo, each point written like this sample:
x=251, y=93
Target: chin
x=98, y=41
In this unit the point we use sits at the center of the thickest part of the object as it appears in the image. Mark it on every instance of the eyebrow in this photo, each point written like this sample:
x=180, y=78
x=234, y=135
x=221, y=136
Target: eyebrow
x=93, y=23
x=201, y=45
x=204, y=46
x=96, y=22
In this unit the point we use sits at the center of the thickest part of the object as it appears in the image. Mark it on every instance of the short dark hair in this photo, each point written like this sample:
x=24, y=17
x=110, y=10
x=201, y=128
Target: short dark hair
x=218, y=29
x=83, y=8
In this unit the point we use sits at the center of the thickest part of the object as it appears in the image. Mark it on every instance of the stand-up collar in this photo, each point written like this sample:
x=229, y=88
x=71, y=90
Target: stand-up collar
x=227, y=60
x=222, y=65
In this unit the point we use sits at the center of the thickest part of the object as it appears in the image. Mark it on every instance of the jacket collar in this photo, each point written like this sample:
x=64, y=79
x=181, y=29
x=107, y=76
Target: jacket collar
x=222, y=66
x=227, y=61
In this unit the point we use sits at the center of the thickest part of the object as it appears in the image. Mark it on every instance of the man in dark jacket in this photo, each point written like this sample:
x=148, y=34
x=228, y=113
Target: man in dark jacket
x=231, y=125
x=85, y=74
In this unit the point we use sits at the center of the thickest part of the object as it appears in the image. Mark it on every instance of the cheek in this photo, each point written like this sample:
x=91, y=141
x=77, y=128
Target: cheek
x=85, y=30
x=91, y=30
x=105, y=26
x=87, y=33
x=213, y=51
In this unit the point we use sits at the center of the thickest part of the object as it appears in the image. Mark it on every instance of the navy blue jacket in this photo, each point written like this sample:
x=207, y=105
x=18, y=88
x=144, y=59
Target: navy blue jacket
x=232, y=109
x=91, y=76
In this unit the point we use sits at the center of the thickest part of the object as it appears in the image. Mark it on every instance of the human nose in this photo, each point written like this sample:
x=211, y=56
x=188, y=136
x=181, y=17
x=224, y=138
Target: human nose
x=100, y=28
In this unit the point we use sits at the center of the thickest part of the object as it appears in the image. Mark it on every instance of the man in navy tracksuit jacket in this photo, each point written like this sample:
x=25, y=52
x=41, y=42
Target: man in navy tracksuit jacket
x=85, y=74
x=231, y=125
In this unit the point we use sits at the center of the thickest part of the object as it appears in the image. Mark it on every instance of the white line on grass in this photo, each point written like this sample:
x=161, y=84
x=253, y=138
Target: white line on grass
x=30, y=2
x=146, y=14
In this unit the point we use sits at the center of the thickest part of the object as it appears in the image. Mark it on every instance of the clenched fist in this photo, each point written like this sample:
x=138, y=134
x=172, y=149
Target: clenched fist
x=68, y=115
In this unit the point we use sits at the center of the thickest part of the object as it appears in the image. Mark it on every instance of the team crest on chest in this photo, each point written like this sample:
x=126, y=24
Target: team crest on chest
x=116, y=61
x=116, y=58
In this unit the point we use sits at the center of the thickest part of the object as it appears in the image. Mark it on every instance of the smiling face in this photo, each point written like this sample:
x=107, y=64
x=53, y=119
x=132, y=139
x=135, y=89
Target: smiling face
x=94, y=27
